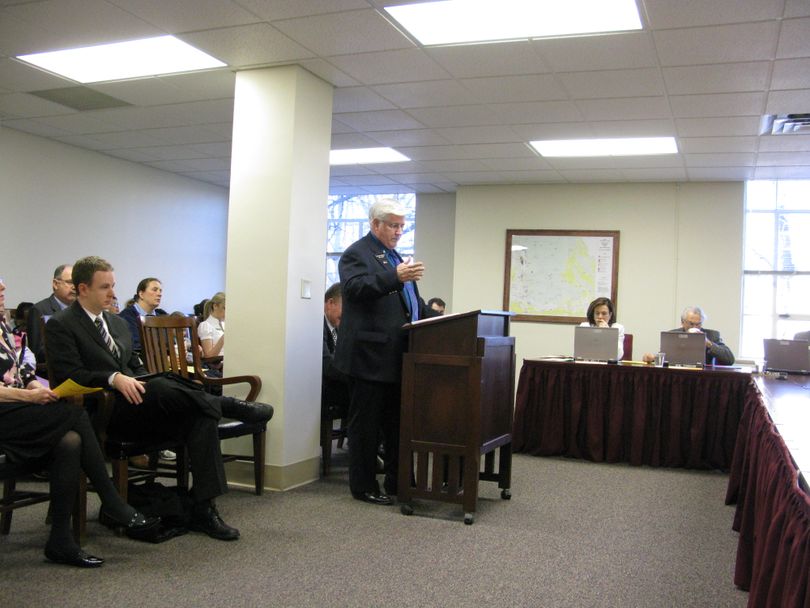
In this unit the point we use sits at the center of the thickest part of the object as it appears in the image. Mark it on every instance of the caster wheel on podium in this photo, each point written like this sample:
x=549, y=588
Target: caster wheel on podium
x=469, y=518
x=406, y=509
x=506, y=494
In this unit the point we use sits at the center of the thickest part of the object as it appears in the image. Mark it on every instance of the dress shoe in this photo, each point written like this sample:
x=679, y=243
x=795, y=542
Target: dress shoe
x=246, y=411
x=139, y=527
x=73, y=557
x=205, y=518
x=374, y=498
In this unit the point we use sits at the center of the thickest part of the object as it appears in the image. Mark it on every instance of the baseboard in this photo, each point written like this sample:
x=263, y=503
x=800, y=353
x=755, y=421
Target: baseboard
x=276, y=477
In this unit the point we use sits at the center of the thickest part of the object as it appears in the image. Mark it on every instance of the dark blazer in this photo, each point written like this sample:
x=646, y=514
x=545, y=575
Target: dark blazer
x=719, y=352
x=372, y=340
x=77, y=351
x=131, y=316
x=802, y=335
x=334, y=386
x=43, y=308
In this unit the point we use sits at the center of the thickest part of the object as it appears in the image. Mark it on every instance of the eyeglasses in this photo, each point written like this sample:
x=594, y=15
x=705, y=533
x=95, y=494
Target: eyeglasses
x=66, y=282
x=395, y=227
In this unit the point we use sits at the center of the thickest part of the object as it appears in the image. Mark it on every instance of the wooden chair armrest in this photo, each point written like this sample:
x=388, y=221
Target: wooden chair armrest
x=254, y=382
x=212, y=360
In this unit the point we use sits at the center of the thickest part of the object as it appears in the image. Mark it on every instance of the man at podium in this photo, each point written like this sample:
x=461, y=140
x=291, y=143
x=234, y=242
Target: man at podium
x=379, y=297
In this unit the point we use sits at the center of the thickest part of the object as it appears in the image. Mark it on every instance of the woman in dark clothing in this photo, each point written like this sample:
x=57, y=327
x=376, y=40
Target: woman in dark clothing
x=36, y=427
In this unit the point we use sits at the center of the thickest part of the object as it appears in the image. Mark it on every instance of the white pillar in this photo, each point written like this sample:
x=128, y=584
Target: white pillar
x=276, y=259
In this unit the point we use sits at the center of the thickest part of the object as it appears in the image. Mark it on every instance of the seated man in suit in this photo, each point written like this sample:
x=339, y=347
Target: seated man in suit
x=335, y=388
x=437, y=304
x=802, y=335
x=94, y=348
x=63, y=296
x=692, y=319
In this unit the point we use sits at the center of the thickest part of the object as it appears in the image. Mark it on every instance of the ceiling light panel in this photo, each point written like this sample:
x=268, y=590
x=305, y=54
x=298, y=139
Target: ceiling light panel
x=629, y=146
x=366, y=156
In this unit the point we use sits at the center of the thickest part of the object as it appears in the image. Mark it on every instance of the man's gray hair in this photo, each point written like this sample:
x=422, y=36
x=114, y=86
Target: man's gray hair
x=384, y=208
x=693, y=310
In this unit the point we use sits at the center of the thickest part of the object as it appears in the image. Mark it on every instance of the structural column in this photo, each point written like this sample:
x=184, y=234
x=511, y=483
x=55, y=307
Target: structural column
x=276, y=258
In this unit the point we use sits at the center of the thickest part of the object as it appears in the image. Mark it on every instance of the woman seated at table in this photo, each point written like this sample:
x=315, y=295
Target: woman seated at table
x=36, y=427
x=211, y=331
x=145, y=304
x=601, y=313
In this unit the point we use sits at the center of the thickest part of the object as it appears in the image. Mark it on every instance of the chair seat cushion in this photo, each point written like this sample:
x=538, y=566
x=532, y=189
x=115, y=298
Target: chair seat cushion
x=228, y=430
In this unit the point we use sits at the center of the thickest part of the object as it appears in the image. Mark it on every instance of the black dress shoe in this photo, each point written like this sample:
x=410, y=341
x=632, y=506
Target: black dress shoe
x=139, y=527
x=374, y=498
x=246, y=411
x=77, y=557
x=205, y=518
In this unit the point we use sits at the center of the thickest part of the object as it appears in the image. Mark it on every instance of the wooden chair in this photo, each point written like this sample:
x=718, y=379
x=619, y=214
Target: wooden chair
x=334, y=406
x=164, y=349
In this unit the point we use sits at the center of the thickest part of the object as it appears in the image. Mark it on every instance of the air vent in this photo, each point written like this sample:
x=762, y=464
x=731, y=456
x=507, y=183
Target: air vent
x=785, y=124
x=80, y=98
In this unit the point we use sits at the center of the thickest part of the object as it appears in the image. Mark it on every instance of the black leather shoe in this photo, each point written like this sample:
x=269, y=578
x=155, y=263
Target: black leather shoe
x=374, y=498
x=205, y=518
x=139, y=527
x=78, y=558
x=246, y=411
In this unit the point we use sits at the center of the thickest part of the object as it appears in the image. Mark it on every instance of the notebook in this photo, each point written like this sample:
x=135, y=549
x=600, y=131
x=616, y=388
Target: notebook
x=682, y=348
x=596, y=343
x=790, y=356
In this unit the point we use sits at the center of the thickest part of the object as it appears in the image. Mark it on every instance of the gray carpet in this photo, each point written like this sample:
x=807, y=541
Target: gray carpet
x=575, y=534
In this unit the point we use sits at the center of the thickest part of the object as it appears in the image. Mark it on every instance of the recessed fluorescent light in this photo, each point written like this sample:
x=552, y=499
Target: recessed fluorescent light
x=628, y=146
x=366, y=156
x=120, y=60
x=460, y=21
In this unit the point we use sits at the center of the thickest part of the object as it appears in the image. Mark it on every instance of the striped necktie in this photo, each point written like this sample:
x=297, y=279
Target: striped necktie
x=106, y=337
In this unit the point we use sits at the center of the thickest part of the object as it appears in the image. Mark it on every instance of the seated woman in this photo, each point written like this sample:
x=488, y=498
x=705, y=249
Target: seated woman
x=212, y=330
x=601, y=313
x=145, y=303
x=36, y=427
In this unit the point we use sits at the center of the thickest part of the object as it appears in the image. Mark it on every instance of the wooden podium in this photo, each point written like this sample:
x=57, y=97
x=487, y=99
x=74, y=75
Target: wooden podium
x=457, y=405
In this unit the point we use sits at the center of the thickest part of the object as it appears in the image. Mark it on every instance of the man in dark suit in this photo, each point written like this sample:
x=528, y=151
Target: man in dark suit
x=63, y=296
x=92, y=347
x=379, y=297
x=692, y=319
x=334, y=387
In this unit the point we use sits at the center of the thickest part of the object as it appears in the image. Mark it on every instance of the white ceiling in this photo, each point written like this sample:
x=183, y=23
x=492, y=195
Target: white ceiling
x=702, y=70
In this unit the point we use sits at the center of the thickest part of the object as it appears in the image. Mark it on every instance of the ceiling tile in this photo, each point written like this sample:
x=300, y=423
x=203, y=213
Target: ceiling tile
x=644, y=82
x=207, y=84
x=426, y=94
x=247, y=45
x=719, y=104
x=589, y=53
x=720, y=173
x=719, y=160
x=592, y=175
x=784, y=143
x=533, y=87
x=633, y=128
x=409, y=65
x=34, y=127
x=381, y=120
x=624, y=109
x=719, y=78
x=792, y=172
x=535, y=112
x=791, y=74
x=704, y=145
x=409, y=137
x=794, y=40
x=718, y=44
x=143, y=92
x=478, y=135
x=354, y=99
x=797, y=8
x=666, y=14
x=788, y=102
x=332, y=34
x=454, y=116
x=675, y=174
x=185, y=135
x=287, y=9
x=19, y=76
x=561, y=130
x=187, y=15
x=729, y=125
x=516, y=164
x=470, y=61
x=342, y=141
x=785, y=159
x=23, y=105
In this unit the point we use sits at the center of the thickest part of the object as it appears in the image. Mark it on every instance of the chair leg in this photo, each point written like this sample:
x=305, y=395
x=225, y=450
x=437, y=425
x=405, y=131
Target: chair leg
x=120, y=470
x=326, y=446
x=182, y=467
x=9, y=485
x=258, y=461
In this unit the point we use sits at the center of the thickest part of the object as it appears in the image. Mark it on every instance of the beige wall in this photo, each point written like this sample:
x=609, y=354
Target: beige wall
x=680, y=244
x=435, y=226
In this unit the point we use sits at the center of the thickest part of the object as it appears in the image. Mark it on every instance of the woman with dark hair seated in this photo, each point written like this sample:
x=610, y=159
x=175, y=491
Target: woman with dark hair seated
x=145, y=304
x=36, y=427
x=602, y=313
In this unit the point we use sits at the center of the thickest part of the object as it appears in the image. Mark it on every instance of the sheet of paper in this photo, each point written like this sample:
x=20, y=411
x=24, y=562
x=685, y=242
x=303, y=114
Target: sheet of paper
x=70, y=389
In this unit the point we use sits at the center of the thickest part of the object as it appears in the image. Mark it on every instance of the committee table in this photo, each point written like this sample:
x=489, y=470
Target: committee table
x=673, y=417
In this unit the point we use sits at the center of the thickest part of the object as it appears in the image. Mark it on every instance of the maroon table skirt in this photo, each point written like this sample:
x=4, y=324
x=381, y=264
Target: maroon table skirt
x=637, y=414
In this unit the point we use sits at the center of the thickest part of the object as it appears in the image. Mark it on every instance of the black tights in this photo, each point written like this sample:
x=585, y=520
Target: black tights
x=78, y=449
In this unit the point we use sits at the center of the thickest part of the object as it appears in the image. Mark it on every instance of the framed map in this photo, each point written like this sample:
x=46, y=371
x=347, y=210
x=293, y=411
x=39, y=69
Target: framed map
x=552, y=275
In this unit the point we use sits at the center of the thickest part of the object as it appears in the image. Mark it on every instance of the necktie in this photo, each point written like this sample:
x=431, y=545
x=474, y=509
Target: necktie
x=106, y=337
x=410, y=293
x=334, y=335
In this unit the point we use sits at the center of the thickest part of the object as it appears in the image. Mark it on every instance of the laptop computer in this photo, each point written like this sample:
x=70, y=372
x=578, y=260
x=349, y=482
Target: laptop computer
x=682, y=348
x=790, y=356
x=596, y=343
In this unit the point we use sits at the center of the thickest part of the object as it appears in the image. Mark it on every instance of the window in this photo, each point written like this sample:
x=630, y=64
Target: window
x=776, y=262
x=347, y=221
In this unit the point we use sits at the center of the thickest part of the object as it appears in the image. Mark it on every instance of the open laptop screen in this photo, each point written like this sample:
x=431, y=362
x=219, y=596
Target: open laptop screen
x=682, y=348
x=790, y=356
x=596, y=343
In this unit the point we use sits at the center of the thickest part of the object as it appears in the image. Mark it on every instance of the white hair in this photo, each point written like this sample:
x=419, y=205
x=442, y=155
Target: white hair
x=693, y=310
x=384, y=208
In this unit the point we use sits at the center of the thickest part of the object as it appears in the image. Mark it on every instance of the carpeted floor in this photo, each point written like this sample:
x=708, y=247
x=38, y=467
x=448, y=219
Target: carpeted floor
x=575, y=534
